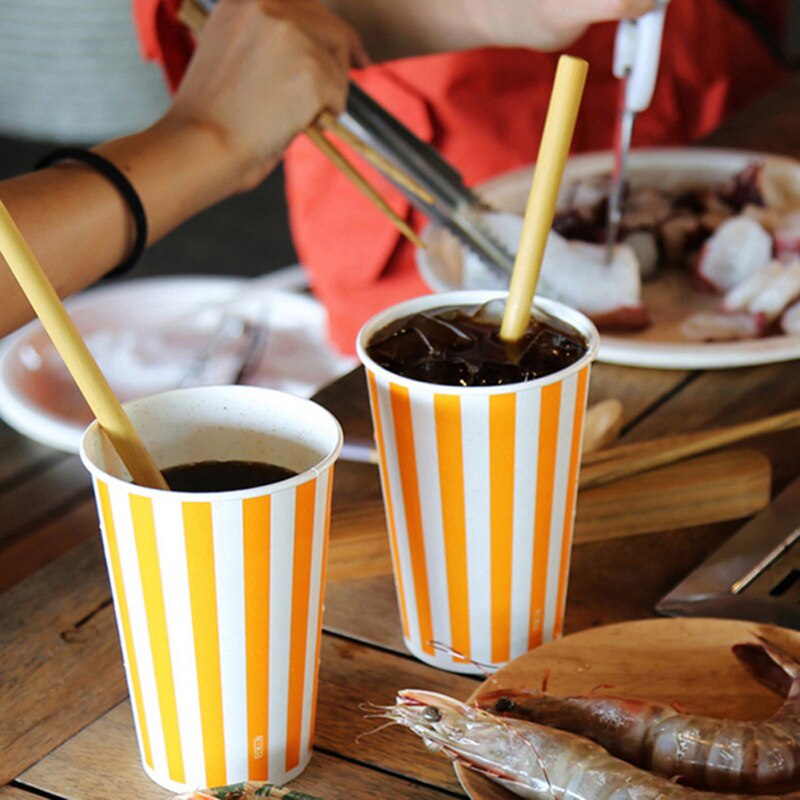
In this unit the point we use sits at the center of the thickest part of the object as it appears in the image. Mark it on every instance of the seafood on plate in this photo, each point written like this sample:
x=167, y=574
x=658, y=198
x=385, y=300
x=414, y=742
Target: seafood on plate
x=530, y=760
x=704, y=752
x=740, y=240
x=575, y=273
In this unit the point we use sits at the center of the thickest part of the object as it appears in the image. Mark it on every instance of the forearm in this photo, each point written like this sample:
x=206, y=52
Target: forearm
x=262, y=73
x=399, y=28
x=79, y=226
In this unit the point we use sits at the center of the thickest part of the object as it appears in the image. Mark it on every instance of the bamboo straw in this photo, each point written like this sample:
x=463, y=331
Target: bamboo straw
x=329, y=150
x=194, y=17
x=556, y=139
x=73, y=350
x=619, y=462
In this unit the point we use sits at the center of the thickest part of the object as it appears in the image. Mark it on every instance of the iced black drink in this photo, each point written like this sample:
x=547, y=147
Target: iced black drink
x=461, y=346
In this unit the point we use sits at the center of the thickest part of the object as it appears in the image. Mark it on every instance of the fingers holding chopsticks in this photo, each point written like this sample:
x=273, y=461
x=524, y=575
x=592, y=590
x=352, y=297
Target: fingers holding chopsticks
x=265, y=69
x=329, y=29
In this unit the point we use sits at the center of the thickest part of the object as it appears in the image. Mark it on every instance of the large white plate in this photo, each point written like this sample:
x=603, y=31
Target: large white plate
x=669, y=297
x=39, y=398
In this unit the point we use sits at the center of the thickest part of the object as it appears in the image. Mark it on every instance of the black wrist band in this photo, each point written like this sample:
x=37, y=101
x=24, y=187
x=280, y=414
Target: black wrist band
x=122, y=185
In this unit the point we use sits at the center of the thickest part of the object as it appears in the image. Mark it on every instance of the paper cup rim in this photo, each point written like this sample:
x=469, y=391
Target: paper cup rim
x=319, y=468
x=551, y=308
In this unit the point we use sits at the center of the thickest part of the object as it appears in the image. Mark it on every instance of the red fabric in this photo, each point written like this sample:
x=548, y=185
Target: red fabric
x=484, y=110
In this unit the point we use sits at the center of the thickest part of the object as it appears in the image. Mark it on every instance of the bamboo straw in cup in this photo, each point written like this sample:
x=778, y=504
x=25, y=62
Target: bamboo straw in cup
x=479, y=485
x=218, y=595
x=562, y=113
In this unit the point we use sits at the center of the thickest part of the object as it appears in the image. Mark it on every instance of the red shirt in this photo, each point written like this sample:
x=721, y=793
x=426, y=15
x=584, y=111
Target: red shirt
x=484, y=110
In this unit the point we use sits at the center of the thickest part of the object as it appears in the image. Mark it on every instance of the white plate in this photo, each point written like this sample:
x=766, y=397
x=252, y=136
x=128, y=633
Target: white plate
x=669, y=297
x=146, y=333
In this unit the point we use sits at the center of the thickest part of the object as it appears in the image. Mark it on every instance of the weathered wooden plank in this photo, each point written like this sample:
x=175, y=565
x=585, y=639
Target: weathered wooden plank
x=379, y=623
x=35, y=500
x=60, y=665
x=18, y=454
x=638, y=390
x=17, y=793
x=103, y=760
x=727, y=397
x=352, y=675
x=22, y=555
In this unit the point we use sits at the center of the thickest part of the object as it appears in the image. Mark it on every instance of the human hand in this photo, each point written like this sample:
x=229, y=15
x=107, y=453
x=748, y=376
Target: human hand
x=552, y=24
x=262, y=72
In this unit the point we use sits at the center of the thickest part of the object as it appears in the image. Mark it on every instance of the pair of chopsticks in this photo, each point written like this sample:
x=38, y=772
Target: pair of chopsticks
x=193, y=16
x=611, y=464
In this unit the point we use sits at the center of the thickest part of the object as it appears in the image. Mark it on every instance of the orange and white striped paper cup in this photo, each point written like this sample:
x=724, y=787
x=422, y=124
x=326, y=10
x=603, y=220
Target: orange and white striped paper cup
x=218, y=595
x=479, y=485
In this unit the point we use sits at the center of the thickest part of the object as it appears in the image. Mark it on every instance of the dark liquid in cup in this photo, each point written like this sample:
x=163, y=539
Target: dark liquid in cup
x=458, y=346
x=224, y=476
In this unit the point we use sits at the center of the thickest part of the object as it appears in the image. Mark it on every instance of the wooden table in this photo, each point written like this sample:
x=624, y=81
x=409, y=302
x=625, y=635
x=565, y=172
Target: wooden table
x=65, y=722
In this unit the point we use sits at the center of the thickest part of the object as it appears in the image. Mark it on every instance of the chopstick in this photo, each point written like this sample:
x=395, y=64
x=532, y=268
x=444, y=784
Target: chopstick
x=194, y=16
x=608, y=465
x=344, y=166
x=331, y=124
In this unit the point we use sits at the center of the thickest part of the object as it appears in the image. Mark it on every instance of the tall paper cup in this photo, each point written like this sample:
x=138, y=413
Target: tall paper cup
x=218, y=595
x=479, y=485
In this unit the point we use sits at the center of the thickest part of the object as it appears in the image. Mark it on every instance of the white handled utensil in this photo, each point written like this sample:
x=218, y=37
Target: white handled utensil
x=637, y=52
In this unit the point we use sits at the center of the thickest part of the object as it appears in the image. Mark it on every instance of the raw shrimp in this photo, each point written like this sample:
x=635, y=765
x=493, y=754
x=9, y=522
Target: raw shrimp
x=531, y=760
x=704, y=752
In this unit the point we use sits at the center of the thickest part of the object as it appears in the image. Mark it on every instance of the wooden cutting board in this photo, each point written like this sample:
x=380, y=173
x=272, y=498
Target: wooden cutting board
x=684, y=661
x=729, y=484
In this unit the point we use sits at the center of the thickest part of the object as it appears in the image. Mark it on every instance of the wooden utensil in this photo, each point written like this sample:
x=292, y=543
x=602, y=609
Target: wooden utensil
x=346, y=168
x=76, y=356
x=602, y=425
x=614, y=463
x=329, y=122
x=559, y=125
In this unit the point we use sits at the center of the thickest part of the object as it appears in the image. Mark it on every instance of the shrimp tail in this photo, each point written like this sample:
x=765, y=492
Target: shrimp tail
x=771, y=665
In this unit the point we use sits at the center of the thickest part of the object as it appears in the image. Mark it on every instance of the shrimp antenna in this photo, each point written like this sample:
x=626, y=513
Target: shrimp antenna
x=485, y=669
x=375, y=730
x=368, y=706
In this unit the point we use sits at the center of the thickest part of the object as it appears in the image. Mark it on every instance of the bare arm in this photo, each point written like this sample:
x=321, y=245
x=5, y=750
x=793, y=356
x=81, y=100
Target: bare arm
x=262, y=72
x=398, y=28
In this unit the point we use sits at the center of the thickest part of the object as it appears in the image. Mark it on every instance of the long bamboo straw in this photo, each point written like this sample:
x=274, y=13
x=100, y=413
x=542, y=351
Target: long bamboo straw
x=553, y=151
x=73, y=350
